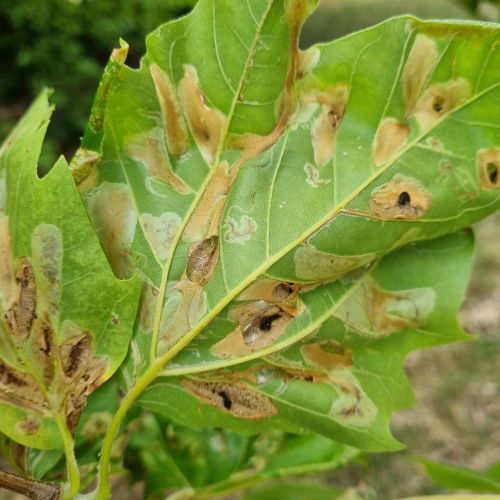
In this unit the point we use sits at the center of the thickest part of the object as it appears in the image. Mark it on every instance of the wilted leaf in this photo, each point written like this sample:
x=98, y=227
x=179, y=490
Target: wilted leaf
x=65, y=319
x=246, y=180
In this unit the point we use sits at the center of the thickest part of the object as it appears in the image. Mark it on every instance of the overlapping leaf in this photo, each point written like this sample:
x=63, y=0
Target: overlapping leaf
x=245, y=181
x=65, y=319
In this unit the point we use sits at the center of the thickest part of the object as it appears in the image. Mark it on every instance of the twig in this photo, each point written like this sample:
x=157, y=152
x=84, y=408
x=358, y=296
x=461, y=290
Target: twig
x=36, y=490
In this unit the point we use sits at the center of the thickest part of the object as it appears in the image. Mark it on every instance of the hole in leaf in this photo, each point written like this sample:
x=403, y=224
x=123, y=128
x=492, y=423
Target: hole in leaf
x=492, y=172
x=226, y=400
x=438, y=104
x=266, y=322
x=404, y=199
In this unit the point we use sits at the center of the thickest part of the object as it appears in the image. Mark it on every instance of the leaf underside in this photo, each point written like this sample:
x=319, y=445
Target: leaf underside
x=295, y=218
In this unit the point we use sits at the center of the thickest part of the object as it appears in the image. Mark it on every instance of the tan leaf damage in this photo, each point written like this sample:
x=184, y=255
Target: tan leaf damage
x=234, y=399
x=83, y=167
x=418, y=69
x=389, y=139
x=373, y=311
x=333, y=103
x=202, y=259
x=270, y=290
x=173, y=122
x=7, y=283
x=149, y=149
x=112, y=209
x=488, y=167
x=160, y=231
x=439, y=99
x=260, y=323
x=327, y=355
x=400, y=198
x=21, y=313
x=207, y=124
x=311, y=265
x=206, y=217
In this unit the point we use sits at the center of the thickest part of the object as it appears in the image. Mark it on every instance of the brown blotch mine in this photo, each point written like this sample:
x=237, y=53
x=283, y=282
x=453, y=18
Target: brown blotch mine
x=439, y=99
x=173, y=122
x=75, y=354
x=391, y=136
x=202, y=259
x=235, y=399
x=327, y=355
x=418, y=68
x=400, y=198
x=259, y=325
x=149, y=148
x=7, y=283
x=206, y=124
x=21, y=313
x=270, y=290
x=83, y=167
x=373, y=311
x=28, y=426
x=84, y=384
x=206, y=217
x=311, y=265
x=43, y=334
x=333, y=103
x=111, y=207
x=20, y=389
x=488, y=166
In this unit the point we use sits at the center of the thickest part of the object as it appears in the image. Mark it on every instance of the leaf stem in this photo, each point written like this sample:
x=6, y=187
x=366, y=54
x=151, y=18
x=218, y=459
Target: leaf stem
x=72, y=486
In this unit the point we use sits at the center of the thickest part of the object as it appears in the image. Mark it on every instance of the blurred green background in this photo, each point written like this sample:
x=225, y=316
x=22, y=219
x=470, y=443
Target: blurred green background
x=64, y=44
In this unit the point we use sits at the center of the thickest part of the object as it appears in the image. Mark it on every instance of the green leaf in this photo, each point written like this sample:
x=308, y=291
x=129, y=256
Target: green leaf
x=65, y=319
x=453, y=477
x=245, y=181
x=296, y=490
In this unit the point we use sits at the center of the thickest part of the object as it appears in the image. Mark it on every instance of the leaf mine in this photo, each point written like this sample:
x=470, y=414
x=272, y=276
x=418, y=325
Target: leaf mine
x=373, y=311
x=488, y=166
x=390, y=137
x=313, y=176
x=270, y=290
x=202, y=259
x=327, y=355
x=353, y=406
x=173, y=122
x=311, y=265
x=206, y=217
x=83, y=167
x=75, y=352
x=7, y=283
x=149, y=149
x=418, y=68
x=400, y=198
x=21, y=313
x=333, y=102
x=20, y=389
x=185, y=305
x=160, y=231
x=439, y=99
x=239, y=231
x=112, y=209
x=205, y=123
x=235, y=399
x=260, y=323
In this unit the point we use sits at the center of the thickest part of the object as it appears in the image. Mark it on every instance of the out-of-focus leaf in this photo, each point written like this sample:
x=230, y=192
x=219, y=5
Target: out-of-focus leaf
x=296, y=490
x=453, y=477
x=65, y=319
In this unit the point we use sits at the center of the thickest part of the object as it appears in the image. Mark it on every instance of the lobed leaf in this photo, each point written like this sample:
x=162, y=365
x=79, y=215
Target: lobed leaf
x=259, y=192
x=65, y=319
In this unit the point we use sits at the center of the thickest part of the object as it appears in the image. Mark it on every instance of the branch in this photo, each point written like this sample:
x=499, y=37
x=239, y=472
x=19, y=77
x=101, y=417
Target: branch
x=36, y=490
